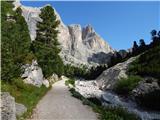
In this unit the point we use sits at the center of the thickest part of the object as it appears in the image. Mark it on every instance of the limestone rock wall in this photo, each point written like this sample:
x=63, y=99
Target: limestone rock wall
x=79, y=45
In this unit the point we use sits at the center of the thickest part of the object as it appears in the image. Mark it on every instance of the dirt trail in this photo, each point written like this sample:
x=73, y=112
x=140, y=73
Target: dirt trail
x=58, y=104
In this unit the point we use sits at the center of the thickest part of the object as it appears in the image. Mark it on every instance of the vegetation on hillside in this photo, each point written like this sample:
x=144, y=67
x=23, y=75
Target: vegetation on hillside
x=15, y=51
x=137, y=49
x=126, y=85
x=146, y=65
x=26, y=94
x=15, y=41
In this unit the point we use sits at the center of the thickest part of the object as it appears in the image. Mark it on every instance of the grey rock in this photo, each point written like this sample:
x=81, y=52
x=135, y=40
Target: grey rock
x=32, y=74
x=148, y=85
x=111, y=99
x=8, y=109
x=109, y=77
x=46, y=83
x=54, y=78
x=20, y=109
x=88, y=89
x=78, y=44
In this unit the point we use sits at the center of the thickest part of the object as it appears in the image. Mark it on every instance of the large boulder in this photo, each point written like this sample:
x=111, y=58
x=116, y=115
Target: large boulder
x=8, y=109
x=20, y=109
x=146, y=86
x=32, y=74
x=109, y=77
x=147, y=93
x=46, y=83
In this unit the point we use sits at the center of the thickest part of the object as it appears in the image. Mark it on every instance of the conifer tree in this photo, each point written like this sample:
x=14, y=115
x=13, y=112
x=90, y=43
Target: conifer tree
x=135, y=48
x=46, y=46
x=15, y=41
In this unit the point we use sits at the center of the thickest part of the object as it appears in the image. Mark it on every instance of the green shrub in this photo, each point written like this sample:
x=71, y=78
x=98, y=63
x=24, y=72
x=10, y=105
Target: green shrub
x=76, y=94
x=28, y=59
x=126, y=85
x=70, y=81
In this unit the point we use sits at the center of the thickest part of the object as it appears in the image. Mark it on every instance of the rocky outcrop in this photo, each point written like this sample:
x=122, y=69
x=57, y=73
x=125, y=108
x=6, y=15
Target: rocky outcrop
x=20, y=109
x=78, y=44
x=10, y=109
x=33, y=74
x=147, y=93
x=109, y=77
x=147, y=86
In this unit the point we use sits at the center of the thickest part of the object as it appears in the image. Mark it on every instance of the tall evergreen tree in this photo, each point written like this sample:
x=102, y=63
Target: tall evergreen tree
x=155, y=38
x=135, y=48
x=46, y=46
x=15, y=41
x=142, y=45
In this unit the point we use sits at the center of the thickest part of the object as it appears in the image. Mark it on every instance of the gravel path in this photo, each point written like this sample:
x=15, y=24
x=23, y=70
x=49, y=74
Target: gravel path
x=58, y=104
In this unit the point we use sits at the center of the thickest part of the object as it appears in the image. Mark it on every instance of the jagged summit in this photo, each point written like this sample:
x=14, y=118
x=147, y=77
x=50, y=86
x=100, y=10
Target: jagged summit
x=79, y=45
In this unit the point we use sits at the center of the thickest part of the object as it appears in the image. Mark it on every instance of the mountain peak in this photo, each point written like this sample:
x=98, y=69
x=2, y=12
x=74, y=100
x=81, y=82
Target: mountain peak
x=78, y=44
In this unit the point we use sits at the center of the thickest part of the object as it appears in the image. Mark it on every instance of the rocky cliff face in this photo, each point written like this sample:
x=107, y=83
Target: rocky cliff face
x=79, y=45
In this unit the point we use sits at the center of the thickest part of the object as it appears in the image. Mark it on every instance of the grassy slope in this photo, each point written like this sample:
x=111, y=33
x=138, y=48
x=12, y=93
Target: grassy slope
x=28, y=95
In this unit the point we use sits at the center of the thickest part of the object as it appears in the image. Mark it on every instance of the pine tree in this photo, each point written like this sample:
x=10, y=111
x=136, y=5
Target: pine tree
x=46, y=46
x=135, y=48
x=15, y=41
x=142, y=45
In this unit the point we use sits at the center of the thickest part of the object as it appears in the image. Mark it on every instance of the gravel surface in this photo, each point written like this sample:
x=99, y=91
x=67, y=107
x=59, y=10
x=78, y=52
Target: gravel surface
x=58, y=104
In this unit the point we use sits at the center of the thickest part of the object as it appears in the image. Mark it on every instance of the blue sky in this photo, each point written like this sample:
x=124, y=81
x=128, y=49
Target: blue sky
x=119, y=23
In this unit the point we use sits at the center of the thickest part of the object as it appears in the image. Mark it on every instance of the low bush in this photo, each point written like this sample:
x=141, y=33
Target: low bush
x=70, y=81
x=126, y=85
x=26, y=94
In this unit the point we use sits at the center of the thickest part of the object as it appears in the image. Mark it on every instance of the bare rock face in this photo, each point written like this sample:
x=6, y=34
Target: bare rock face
x=109, y=77
x=79, y=45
